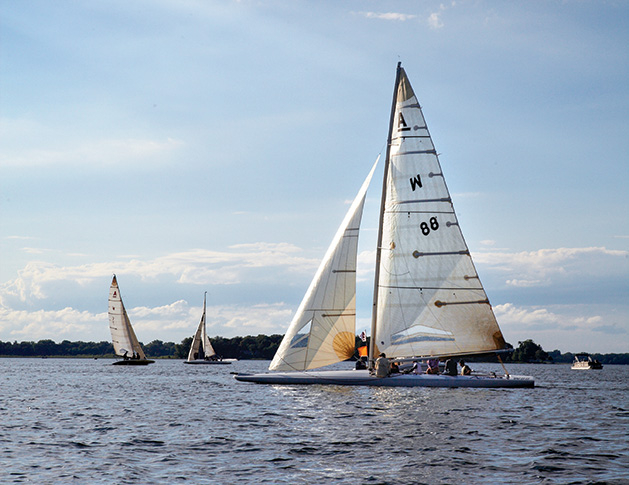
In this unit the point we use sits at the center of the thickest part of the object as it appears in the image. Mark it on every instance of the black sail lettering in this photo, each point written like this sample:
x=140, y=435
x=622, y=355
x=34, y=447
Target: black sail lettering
x=401, y=123
x=416, y=182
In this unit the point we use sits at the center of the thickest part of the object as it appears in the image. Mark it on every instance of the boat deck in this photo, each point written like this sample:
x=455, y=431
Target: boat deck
x=363, y=378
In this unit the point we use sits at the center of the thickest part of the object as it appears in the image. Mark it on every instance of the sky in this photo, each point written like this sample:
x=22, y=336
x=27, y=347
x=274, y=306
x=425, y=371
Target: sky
x=190, y=146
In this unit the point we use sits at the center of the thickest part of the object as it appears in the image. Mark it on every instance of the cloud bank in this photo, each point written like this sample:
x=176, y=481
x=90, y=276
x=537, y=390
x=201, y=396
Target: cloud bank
x=258, y=286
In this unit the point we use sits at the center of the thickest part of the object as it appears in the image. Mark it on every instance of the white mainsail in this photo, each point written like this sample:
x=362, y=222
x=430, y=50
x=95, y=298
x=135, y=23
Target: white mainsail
x=122, y=334
x=322, y=331
x=201, y=346
x=428, y=295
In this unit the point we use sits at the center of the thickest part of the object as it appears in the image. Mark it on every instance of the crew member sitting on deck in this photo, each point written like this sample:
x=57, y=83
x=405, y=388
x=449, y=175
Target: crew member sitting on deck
x=450, y=367
x=361, y=363
x=383, y=366
x=465, y=369
x=433, y=366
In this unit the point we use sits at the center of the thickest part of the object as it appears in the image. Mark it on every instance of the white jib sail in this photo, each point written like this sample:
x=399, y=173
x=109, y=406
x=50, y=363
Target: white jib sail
x=322, y=331
x=201, y=346
x=430, y=298
x=122, y=334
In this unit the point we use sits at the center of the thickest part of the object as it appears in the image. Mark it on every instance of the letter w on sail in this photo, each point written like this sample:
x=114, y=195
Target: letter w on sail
x=416, y=182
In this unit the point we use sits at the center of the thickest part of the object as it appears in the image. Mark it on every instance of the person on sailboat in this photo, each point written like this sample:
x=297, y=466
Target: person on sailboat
x=465, y=369
x=361, y=363
x=450, y=367
x=433, y=366
x=383, y=366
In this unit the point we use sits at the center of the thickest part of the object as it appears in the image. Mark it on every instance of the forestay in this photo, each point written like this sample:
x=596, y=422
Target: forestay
x=122, y=334
x=430, y=300
x=322, y=331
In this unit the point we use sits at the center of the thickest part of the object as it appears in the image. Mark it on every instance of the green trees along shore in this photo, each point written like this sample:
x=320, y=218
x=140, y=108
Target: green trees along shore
x=255, y=347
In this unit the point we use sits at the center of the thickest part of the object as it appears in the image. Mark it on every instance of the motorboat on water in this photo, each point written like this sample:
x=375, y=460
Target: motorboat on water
x=583, y=361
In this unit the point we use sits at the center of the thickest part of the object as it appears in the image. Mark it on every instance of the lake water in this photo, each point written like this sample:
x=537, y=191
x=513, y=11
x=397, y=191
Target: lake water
x=86, y=421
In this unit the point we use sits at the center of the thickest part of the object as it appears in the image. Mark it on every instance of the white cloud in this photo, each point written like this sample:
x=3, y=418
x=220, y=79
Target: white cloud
x=65, y=324
x=171, y=323
x=34, y=250
x=402, y=17
x=365, y=265
x=20, y=237
x=263, y=318
x=39, y=279
x=434, y=20
x=528, y=318
x=524, y=283
x=28, y=144
x=267, y=267
x=551, y=266
x=570, y=328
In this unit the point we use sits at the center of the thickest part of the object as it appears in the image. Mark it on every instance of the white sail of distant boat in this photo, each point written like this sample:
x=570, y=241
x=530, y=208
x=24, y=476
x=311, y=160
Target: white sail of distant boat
x=428, y=298
x=126, y=344
x=201, y=350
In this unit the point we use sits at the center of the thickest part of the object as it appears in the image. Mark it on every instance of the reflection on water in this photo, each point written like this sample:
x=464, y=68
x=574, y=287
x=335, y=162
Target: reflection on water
x=69, y=420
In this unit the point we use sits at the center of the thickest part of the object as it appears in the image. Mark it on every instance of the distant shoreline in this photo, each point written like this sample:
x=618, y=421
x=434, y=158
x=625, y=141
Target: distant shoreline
x=111, y=357
x=260, y=347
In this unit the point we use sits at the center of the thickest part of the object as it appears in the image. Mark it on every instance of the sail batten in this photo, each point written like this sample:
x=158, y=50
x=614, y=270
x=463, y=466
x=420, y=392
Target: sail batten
x=454, y=288
x=419, y=201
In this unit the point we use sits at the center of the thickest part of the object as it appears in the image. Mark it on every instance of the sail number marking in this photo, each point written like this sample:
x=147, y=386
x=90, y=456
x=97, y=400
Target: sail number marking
x=401, y=123
x=416, y=182
x=427, y=227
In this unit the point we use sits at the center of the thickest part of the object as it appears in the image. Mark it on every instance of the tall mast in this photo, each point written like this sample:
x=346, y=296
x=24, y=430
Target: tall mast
x=374, y=314
x=203, y=331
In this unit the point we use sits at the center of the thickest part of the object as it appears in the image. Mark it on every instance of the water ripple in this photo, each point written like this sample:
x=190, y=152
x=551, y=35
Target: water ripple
x=87, y=421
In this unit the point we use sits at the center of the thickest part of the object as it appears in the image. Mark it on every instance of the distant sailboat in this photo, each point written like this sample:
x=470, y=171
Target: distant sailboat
x=428, y=298
x=201, y=350
x=123, y=337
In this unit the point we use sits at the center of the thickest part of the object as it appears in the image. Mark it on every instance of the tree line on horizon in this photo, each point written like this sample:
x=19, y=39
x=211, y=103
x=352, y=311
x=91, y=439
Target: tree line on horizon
x=259, y=347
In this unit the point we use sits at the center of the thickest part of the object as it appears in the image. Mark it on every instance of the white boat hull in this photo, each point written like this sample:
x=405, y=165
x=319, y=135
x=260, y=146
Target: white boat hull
x=363, y=378
x=134, y=362
x=207, y=362
x=585, y=366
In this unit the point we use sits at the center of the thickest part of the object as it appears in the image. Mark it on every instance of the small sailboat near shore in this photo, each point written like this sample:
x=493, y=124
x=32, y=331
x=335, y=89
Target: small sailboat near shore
x=428, y=299
x=126, y=344
x=201, y=350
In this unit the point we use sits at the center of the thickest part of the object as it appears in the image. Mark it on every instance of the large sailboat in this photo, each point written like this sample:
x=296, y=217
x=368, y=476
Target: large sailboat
x=201, y=350
x=123, y=337
x=428, y=299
